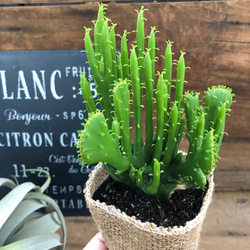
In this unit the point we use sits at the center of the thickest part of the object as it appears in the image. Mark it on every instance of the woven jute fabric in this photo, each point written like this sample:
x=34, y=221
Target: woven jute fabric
x=121, y=232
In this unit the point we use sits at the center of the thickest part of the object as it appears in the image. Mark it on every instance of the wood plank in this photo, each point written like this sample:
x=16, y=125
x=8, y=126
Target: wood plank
x=79, y=231
x=233, y=172
x=215, y=35
x=21, y=2
x=8, y=2
x=226, y=225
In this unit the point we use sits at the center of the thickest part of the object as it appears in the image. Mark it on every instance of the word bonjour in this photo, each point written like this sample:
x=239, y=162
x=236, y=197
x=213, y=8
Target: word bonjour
x=13, y=115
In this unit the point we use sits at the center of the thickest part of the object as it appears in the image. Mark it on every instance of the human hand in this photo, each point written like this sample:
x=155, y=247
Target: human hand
x=96, y=243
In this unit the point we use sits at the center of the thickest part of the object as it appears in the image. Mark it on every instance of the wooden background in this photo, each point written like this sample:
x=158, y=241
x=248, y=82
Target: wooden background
x=216, y=38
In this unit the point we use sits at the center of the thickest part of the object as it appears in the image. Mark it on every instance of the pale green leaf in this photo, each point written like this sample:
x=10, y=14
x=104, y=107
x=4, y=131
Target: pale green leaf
x=12, y=199
x=48, y=180
x=52, y=203
x=23, y=212
x=46, y=224
x=7, y=183
x=46, y=241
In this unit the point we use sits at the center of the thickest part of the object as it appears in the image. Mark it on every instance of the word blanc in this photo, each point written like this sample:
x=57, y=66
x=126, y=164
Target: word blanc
x=23, y=92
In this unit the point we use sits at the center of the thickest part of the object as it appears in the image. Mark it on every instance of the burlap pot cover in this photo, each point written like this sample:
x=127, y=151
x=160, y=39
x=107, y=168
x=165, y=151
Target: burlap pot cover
x=121, y=232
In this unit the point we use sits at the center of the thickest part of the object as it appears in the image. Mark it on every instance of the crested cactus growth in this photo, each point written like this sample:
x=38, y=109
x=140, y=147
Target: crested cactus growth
x=123, y=80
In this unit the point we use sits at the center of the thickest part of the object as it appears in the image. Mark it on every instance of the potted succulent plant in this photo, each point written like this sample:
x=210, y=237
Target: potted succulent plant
x=29, y=218
x=127, y=87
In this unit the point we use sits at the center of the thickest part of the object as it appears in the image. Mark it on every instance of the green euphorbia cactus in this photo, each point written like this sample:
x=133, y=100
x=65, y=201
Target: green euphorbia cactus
x=123, y=80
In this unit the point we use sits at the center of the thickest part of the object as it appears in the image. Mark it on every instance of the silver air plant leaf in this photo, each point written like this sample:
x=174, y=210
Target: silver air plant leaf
x=29, y=218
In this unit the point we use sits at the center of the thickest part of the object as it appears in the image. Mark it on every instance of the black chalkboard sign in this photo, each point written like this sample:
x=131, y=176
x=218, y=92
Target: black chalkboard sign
x=40, y=113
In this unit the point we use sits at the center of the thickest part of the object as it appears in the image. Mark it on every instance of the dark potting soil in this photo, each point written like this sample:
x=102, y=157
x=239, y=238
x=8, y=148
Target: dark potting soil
x=182, y=206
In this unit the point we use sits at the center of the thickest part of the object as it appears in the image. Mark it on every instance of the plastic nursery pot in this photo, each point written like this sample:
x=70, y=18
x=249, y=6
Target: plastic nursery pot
x=123, y=232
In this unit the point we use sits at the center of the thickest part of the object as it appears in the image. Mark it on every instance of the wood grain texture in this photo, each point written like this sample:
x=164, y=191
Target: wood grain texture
x=214, y=35
x=4, y=3
x=226, y=226
x=8, y=2
x=227, y=223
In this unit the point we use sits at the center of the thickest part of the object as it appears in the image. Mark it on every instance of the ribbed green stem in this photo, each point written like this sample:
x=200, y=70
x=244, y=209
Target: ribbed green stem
x=171, y=140
x=122, y=107
x=199, y=131
x=116, y=133
x=107, y=55
x=160, y=117
x=119, y=66
x=149, y=109
x=179, y=134
x=151, y=49
x=124, y=56
x=137, y=108
x=87, y=95
x=191, y=107
x=180, y=81
x=91, y=56
x=220, y=124
x=113, y=52
x=140, y=42
x=168, y=64
x=98, y=31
